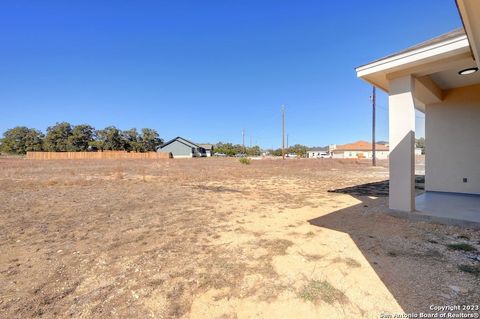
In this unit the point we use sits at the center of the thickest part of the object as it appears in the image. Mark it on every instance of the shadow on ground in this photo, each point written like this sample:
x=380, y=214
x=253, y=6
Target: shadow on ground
x=378, y=189
x=389, y=244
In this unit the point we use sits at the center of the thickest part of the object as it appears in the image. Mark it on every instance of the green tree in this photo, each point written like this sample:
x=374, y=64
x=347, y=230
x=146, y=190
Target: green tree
x=254, y=151
x=297, y=149
x=277, y=152
x=81, y=137
x=150, y=139
x=420, y=143
x=57, y=139
x=21, y=139
x=110, y=138
x=132, y=140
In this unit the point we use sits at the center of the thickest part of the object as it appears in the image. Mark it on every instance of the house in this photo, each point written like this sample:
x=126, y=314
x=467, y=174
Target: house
x=208, y=149
x=359, y=149
x=439, y=78
x=318, y=152
x=182, y=148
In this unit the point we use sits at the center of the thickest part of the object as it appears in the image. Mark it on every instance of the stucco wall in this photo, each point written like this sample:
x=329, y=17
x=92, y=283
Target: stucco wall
x=452, y=135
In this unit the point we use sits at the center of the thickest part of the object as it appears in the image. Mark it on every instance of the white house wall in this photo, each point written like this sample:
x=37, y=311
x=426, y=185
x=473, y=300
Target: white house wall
x=452, y=135
x=362, y=154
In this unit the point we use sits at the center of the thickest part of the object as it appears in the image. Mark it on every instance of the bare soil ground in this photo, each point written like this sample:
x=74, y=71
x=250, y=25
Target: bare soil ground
x=212, y=238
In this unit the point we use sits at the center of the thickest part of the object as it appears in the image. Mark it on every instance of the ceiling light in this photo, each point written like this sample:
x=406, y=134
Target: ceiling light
x=468, y=71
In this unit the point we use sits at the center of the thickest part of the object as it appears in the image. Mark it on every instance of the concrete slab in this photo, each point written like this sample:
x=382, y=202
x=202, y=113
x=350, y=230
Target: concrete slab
x=450, y=208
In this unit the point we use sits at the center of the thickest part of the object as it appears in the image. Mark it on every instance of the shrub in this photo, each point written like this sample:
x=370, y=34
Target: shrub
x=461, y=246
x=474, y=270
x=245, y=160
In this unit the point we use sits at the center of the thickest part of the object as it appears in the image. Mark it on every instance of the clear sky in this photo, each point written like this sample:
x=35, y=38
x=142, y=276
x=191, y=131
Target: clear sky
x=206, y=69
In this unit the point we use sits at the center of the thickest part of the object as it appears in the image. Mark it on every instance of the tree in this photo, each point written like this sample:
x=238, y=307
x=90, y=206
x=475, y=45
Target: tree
x=277, y=152
x=150, y=139
x=110, y=138
x=420, y=143
x=234, y=149
x=80, y=138
x=297, y=149
x=132, y=140
x=20, y=140
x=57, y=139
x=254, y=151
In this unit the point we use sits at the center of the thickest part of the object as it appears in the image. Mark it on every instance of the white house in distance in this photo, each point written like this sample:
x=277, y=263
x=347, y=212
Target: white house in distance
x=318, y=152
x=208, y=149
x=359, y=149
x=440, y=78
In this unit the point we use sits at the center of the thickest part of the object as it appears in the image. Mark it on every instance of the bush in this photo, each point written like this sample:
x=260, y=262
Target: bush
x=474, y=270
x=461, y=246
x=245, y=160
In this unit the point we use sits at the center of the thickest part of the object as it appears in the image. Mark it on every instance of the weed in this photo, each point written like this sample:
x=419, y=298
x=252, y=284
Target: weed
x=474, y=270
x=352, y=263
x=461, y=246
x=316, y=291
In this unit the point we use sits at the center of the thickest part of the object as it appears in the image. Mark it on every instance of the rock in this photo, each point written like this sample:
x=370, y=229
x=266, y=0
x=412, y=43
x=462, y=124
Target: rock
x=457, y=289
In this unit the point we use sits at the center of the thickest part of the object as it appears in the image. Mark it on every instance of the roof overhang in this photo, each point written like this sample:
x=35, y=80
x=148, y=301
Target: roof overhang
x=425, y=60
x=470, y=14
x=435, y=63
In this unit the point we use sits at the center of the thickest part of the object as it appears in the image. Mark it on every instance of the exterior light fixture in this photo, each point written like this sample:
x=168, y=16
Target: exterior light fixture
x=468, y=71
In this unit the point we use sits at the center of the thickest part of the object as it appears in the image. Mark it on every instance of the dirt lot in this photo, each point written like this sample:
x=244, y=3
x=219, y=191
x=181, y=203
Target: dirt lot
x=212, y=238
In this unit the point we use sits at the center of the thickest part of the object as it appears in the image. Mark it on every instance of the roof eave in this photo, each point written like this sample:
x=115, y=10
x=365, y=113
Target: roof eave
x=468, y=11
x=377, y=72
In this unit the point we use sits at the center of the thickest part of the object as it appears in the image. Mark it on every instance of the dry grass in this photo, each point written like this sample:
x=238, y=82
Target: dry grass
x=125, y=238
x=316, y=291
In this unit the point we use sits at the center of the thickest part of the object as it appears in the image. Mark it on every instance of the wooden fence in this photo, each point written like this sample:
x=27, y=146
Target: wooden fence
x=96, y=155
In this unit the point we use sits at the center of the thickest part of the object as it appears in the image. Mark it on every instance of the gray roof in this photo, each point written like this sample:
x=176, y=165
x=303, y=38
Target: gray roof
x=318, y=149
x=181, y=140
x=444, y=37
x=206, y=146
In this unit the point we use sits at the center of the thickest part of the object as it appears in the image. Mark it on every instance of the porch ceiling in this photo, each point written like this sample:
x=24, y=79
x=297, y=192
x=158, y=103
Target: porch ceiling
x=450, y=79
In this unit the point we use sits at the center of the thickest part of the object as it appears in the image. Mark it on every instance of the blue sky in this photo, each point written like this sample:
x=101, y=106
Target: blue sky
x=206, y=69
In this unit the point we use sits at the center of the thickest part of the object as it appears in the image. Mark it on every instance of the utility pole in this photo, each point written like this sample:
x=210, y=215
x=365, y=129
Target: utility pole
x=283, y=131
x=243, y=139
x=287, y=140
x=374, y=155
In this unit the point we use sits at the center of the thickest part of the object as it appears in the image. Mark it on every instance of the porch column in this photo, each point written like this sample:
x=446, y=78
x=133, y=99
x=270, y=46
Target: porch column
x=401, y=102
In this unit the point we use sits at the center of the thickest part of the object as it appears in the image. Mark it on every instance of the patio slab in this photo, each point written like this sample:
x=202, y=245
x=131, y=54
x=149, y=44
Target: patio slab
x=451, y=208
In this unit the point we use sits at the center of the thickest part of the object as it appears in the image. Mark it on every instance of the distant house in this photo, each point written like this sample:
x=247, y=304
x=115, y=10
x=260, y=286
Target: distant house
x=208, y=149
x=318, y=152
x=182, y=148
x=360, y=149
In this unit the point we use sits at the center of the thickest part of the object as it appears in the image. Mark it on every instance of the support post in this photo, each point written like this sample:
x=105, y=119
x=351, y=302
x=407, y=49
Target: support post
x=401, y=102
x=374, y=154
